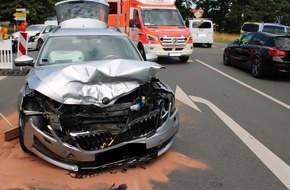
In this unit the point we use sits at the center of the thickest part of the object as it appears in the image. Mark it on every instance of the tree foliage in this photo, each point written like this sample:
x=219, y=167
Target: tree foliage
x=228, y=15
x=38, y=10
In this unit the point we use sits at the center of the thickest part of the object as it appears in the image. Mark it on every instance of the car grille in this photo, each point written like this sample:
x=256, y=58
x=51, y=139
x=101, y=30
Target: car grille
x=140, y=127
x=173, y=41
x=171, y=49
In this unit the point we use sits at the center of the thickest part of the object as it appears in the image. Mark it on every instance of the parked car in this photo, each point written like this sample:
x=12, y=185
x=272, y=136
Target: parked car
x=260, y=52
x=275, y=28
x=202, y=31
x=92, y=102
x=36, y=35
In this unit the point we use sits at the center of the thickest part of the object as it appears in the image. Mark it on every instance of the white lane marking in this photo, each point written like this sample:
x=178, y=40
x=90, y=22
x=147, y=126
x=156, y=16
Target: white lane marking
x=246, y=85
x=2, y=77
x=181, y=96
x=273, y=162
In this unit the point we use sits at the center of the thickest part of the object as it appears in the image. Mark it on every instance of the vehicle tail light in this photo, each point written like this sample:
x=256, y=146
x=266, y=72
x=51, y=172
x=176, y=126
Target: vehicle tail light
x=275, y=52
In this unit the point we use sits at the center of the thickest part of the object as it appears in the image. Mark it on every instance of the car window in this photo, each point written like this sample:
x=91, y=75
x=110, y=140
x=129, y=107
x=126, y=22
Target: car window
x=76, y=49
x=48, y=29
x=282, y=42
x=204, y=24
x=273, y=29
x=34, y=28
x=250, y=27
x=288, y=30
x=247, y=38
x=259, y=39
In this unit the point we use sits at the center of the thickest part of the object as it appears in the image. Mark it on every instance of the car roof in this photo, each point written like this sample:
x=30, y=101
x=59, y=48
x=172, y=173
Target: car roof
x=264, y=23
x=87, y=31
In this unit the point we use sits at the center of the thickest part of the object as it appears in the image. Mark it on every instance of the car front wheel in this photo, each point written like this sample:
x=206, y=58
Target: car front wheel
x=226, y=60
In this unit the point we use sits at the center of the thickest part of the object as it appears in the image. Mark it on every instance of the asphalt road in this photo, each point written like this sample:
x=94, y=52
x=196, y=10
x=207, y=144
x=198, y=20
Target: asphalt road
x=235, y=129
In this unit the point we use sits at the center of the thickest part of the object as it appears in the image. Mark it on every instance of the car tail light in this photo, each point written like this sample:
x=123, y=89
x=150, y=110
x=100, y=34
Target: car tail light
x=275, y=52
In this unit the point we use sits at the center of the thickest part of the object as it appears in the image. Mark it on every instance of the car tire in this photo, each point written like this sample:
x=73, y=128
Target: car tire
x=39, y=44
x=257, y=69
x=226, y=60
x=209, y=45
x=142, y=51
x=183, y=59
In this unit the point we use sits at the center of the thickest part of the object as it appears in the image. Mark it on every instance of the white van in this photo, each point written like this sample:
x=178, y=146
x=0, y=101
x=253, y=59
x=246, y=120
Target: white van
x=201, y=31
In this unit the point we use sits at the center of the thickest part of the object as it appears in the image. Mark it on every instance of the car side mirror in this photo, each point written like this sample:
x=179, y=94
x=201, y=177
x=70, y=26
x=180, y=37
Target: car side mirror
x=236, y=41
x=24, y=60
x=132, y=24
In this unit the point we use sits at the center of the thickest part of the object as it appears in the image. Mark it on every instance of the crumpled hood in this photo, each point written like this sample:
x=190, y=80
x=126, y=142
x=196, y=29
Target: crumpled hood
x=168, y=31
x=90, y=82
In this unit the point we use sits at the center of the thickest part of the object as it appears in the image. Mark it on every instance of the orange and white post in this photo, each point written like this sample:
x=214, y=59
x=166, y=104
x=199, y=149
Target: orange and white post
x=22, y=44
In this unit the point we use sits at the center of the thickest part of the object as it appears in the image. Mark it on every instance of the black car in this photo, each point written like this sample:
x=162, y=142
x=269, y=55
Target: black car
x=260, y=52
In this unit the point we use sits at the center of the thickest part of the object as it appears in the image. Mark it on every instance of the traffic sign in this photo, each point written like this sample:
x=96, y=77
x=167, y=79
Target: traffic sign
x=20, y=15
x=21, y=9
x=197, y=14
x=20, y=18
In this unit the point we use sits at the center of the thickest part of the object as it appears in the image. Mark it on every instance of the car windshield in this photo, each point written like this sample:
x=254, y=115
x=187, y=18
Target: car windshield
x=77, y=49
x=161, y=17
x=34, y=28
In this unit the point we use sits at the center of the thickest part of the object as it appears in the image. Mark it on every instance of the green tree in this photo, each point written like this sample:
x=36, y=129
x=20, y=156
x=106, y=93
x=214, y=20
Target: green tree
x=275, y=11
x=38, y=10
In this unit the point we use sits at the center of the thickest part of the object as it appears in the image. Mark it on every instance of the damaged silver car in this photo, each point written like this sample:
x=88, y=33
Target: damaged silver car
x=92, y=102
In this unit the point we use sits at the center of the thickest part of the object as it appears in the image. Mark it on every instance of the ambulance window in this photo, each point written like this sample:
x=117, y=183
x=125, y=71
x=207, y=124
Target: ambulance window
x=113, y=8
x=136, y=17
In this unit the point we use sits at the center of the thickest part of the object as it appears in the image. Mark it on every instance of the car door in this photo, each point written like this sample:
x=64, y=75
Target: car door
x=256, y=47
x=242, y=52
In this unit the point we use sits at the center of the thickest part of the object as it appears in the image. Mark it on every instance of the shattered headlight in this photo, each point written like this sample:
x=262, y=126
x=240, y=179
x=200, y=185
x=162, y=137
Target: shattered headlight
x=172, y=103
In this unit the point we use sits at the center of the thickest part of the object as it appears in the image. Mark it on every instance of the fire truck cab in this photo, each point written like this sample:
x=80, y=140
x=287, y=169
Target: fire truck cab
x=155, y=26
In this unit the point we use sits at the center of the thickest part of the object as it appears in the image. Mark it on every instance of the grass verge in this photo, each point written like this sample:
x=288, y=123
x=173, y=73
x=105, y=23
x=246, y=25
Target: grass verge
x=225, y=37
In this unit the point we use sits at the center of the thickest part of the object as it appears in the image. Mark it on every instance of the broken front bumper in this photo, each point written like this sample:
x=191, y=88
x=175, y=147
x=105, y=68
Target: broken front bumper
x=73, y=158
